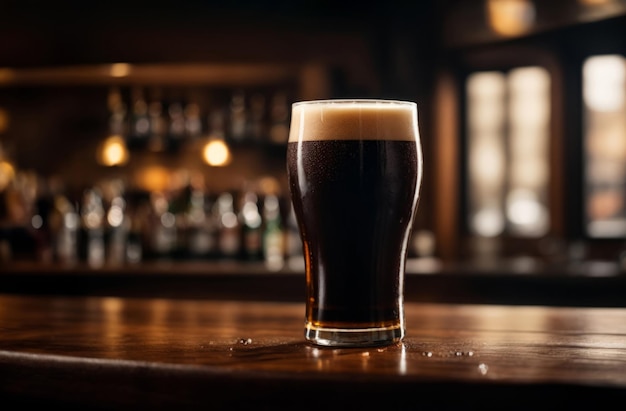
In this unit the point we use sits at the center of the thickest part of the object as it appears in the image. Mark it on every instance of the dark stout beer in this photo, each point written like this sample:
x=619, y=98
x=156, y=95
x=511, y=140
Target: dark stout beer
x=354, y=199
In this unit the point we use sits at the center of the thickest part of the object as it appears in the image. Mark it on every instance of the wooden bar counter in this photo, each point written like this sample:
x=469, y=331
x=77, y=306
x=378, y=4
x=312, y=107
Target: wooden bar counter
x=94, y=352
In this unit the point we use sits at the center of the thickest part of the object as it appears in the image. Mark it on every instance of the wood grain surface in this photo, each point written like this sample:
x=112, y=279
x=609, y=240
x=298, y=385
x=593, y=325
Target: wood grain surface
x=123, y=353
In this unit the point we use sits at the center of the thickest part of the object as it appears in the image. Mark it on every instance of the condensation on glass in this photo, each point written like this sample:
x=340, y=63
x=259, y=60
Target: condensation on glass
x=508, y=131
x=604, y=98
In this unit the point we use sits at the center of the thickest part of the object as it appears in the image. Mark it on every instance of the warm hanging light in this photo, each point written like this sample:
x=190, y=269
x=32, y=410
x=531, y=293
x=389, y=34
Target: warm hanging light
x=153, y=178
x=120, y=70
x=7, y=170
x=216, y=153
x=7, y=173
x=510, y=17
x=113, y=151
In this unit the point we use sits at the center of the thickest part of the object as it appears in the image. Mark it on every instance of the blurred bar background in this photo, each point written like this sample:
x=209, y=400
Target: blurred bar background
x=151, y=137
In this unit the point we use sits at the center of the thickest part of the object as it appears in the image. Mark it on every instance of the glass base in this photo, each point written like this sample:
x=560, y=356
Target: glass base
x=353, y=337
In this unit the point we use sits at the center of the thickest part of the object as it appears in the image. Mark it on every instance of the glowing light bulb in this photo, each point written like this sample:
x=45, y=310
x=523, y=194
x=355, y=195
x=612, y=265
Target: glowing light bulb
x=113, y=152
x=216, y=153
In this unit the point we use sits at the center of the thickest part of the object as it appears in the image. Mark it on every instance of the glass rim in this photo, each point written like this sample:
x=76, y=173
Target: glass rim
x=348, y=101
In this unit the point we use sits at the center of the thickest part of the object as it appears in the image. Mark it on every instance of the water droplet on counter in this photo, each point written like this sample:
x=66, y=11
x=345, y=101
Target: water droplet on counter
x=463, y=353
x=483, y=368
x=427, y=354
x=245, y=341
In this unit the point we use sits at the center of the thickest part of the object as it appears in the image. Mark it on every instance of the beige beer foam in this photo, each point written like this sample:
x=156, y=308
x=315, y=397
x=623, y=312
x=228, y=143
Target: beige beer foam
x=354, y=120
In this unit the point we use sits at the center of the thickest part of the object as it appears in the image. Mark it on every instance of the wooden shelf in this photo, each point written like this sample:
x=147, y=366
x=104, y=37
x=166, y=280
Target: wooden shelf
x=186, y=74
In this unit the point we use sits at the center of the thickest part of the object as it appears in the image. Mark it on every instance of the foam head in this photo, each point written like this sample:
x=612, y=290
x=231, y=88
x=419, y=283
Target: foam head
x=353, y=120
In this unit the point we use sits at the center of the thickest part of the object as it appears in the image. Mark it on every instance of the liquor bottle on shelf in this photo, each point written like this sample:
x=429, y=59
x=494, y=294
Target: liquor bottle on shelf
x=257, y=131
x=193, y=119
x=251, y=227
x=141, y=213
x=43, y=206
x=202, y=228
x=66, y=222
x=216, y=123
x=179, y=204
x=158, y=123
x=134, y=240
x=238, y=117
x=177, y=133
x=163, y=227
x=279, y=119
x=229, y=238
x=117, y=113
x=117, y=225
x=273, y=233
x=139, y=132
x=91, y=239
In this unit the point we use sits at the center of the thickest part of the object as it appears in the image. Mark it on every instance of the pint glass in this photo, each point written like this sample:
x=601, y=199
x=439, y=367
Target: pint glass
x=354, y=170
